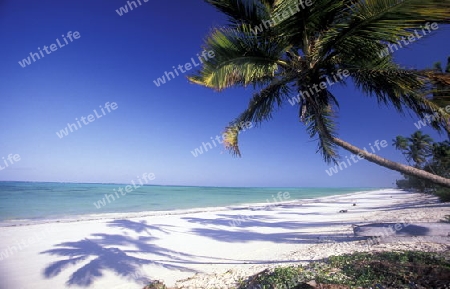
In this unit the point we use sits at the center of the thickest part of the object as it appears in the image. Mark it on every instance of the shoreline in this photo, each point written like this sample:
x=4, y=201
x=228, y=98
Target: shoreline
x=205, y=249
x=115, y=215
x=50, y=201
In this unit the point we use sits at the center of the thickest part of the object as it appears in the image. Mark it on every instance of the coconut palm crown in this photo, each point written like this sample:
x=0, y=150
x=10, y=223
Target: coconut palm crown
x=288, y=50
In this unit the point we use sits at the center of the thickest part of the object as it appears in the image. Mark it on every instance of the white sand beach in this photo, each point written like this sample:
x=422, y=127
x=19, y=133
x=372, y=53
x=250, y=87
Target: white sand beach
x=208, y=249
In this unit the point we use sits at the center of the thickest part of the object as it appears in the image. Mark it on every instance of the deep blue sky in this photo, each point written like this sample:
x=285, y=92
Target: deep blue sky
x=154, y=129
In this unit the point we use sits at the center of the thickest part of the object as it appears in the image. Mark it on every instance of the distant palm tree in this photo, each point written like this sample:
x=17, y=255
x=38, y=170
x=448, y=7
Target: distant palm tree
x=292, y=51
x=420, y=147
x=428, y=155
x=417, y=148
x=441, y=156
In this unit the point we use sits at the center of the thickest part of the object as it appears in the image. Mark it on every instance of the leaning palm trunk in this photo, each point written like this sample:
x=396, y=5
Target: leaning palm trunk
x=392, y=165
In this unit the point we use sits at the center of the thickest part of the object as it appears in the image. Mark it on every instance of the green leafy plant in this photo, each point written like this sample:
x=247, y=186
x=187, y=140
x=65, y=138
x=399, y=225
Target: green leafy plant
x=405, y=269
x=446, y=219
x=156, y=285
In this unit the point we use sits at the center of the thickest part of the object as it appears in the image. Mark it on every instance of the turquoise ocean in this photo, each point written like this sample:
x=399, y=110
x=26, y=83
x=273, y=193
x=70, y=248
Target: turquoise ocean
x=43, y=202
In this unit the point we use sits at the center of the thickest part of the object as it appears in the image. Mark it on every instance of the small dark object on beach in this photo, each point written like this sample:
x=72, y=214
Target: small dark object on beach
x=354, y=204
x=343, y=211
x=156, y=285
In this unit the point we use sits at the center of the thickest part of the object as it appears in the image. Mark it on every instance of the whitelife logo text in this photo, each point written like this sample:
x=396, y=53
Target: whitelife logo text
x=90, y=118
x=36, y=56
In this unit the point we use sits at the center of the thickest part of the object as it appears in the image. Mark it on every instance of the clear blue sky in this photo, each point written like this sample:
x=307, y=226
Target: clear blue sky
x=154, y=129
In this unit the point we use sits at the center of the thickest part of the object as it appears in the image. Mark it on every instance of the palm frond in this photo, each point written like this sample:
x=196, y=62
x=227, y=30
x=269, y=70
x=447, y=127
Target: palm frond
x=260, y=108
x=240, y=59
x=243, y=11
x=231, y=139
x=321, y=125
x=382, y=21
x=401, y=89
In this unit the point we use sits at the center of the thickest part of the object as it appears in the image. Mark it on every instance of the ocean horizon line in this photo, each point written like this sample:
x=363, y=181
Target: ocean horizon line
x=202, y=186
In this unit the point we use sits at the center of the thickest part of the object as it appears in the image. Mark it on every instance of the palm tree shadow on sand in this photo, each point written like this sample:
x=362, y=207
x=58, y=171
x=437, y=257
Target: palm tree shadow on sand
x=100, y=253
x=137, y=227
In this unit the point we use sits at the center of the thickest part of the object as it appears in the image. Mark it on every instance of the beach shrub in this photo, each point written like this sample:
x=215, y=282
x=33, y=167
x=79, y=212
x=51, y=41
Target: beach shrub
x=443, y=194
x=155, y=285
x=393, y=269
x=446, y=219
x=278, y=278
x=404, y=269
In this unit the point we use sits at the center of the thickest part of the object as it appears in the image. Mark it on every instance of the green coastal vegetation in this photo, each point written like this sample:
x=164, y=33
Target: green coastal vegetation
x=403, y=269
x=428, y=155
x=384, y=270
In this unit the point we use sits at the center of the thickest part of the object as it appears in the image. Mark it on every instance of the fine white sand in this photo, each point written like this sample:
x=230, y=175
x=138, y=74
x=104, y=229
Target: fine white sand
x=205, y=249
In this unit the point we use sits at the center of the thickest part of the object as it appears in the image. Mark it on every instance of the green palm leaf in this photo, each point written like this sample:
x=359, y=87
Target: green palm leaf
x=239, y=60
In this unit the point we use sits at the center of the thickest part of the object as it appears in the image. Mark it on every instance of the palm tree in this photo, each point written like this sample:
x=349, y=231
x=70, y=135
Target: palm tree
x=289, y=50
x=428, y=155
x=441, y=158
x=420, y=147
